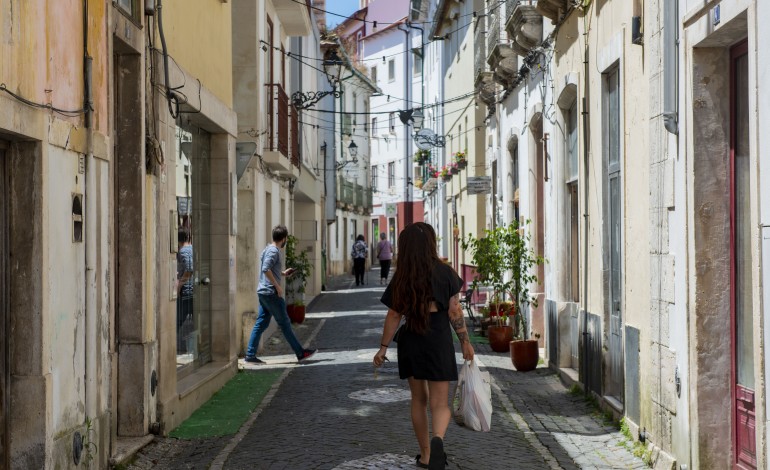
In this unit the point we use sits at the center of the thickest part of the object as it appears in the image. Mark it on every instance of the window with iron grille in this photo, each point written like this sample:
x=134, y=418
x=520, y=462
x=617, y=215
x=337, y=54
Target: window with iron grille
x=374, y=177
x=391, y=174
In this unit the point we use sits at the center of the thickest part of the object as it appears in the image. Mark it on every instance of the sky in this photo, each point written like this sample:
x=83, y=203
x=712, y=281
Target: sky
x=342, y=7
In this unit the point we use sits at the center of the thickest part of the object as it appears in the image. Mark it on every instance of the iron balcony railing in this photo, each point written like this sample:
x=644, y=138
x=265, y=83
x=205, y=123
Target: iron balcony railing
x=510, y=5
x=294, y=137
x=493, y=30
x=352, y=194
x=480, y=58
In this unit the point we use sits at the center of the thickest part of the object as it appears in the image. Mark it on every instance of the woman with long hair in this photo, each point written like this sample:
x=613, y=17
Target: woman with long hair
x=425, y=291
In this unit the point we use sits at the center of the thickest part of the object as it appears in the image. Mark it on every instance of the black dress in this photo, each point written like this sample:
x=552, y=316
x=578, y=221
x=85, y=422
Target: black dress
x=430, y=356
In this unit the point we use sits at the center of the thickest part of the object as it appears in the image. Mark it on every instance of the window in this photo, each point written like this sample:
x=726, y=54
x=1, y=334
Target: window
x=374, y=74
x=130, y=7
x=571, y=177
x=392, y=122
x=347, y=124
x=355, y=109
x=374, y=128
x=359, y=45
x=417, y=61
x=392, y=70
x=391, y=174
x=374, y=177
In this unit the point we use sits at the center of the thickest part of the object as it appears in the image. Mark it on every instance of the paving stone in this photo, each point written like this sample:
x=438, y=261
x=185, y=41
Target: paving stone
x=334, y=413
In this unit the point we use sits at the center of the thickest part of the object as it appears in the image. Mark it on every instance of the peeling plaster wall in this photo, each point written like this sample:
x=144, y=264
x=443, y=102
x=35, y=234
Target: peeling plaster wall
x=59, y=363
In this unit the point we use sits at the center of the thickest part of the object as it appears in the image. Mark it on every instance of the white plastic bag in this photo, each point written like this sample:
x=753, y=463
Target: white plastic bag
x=472, y=403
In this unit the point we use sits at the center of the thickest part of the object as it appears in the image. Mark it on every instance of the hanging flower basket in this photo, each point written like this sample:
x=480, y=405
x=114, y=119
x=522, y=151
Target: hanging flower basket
x=445, y=173
x=461, y=159
x=422, y=157
x=454, y=169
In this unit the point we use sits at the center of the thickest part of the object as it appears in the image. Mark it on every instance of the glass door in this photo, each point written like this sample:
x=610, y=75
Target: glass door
x=193, y=194
x=741, y=260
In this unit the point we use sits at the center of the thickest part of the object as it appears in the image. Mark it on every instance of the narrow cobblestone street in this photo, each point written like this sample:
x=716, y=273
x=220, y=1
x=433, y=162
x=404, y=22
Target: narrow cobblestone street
x=335, y=413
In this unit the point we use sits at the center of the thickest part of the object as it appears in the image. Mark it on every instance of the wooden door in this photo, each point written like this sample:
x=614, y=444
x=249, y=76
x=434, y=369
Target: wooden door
x=744, y=404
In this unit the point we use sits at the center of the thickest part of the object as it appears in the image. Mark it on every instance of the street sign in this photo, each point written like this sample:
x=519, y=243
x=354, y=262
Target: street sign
x=479, y=185
x=423, y=139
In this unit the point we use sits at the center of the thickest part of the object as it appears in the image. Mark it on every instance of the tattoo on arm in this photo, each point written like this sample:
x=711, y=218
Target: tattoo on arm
x=458, y=324
x=463, y=337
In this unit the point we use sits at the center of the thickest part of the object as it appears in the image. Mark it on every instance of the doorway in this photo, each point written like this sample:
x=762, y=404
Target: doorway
x=741, y=262
x=5, y=370
x=613, y=235
x=194, y=253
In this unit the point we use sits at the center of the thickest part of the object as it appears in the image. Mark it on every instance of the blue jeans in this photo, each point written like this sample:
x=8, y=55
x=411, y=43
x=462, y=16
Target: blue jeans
x=270, y=305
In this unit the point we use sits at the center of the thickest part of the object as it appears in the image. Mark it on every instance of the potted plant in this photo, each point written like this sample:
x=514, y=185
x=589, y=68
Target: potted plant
x=445, y=174
x=422, y=157
x=297, y=260
x=453, y=168
x=504, y=261
x=461, y=159
x=500, y=333
x=524, y=351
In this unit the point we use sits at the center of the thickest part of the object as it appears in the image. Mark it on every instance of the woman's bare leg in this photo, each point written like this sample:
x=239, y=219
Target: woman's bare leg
x=419, y=389
x=439, y=407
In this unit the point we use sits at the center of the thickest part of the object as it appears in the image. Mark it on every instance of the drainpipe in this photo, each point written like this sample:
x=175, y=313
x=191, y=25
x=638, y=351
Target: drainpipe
x=408, y=215
x=89, y=235
x=586, y=150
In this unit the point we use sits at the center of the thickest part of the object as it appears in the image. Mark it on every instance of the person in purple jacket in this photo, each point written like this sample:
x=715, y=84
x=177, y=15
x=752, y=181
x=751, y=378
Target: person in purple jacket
x=385, y=255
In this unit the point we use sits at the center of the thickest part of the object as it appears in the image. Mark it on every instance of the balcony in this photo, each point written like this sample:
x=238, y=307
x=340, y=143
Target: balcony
x=552, y=9
x=481, y=68
x=276, y=151
x=294, y=17
x=524, y=27
x=353, y=197
x=483, y=82
x=498, y=47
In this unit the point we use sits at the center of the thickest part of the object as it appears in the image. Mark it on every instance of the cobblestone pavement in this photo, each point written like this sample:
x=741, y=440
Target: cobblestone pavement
x=335, y=413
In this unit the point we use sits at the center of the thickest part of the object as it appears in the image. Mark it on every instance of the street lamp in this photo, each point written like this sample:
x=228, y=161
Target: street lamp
x=353, y=152
x=332, y=65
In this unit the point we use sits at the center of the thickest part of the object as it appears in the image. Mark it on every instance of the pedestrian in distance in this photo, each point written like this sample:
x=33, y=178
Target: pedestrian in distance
x=272, y=303
x=358, y=253
x=385, y=255
x=425, y=291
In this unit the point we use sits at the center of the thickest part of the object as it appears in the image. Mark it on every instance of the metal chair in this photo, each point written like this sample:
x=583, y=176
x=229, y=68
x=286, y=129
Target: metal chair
x=467, y=304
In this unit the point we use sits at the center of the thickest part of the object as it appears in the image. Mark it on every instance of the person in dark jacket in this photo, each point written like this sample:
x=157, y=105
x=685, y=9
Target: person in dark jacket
x=359, y=252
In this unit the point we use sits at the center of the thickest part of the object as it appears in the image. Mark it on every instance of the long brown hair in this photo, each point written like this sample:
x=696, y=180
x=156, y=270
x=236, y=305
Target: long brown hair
x=412, y=287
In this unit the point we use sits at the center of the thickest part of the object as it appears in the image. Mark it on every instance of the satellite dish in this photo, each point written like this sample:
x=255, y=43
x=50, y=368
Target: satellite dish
x=424, y=139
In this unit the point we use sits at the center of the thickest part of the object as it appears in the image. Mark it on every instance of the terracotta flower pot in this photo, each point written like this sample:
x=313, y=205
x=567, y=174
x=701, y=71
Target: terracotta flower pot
x=500, y=337
x=296, y=313
x=524, y=354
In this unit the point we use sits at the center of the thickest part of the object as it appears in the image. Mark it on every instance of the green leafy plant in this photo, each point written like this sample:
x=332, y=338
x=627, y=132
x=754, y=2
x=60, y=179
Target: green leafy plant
x=504, y=261
x=299, y=261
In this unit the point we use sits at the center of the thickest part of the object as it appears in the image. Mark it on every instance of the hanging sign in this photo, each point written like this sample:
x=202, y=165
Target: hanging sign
x=479, y=185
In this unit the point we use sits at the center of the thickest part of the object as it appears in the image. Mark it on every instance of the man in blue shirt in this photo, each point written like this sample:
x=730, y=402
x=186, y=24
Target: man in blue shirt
x=271, y=299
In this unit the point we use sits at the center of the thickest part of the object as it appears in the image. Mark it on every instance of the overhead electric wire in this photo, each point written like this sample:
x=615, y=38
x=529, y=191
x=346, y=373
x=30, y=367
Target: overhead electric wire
x=475, y=14
x=64, y=112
